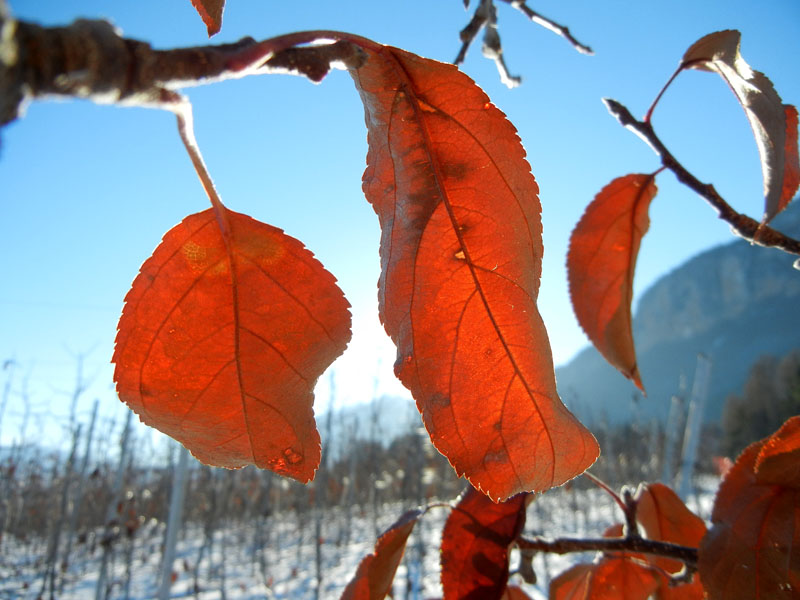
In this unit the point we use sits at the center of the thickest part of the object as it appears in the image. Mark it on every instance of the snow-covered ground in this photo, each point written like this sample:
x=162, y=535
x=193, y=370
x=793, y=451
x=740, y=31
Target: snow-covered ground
x=237, y=566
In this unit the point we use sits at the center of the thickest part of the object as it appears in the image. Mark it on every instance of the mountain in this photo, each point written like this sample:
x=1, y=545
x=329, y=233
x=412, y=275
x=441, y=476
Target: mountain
x=733, y=303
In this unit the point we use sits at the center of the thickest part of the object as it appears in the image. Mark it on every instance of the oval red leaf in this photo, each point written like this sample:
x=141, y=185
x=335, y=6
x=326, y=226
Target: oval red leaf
x=373, y=580
x=600, y=265
x=461, y=258
x=753, y=547
x=618, y=578
x=222, y=339
x=664, y=517
x=475, y=544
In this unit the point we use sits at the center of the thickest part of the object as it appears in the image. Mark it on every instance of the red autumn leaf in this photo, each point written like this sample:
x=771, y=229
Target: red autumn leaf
x=664, y=517
x=753, y=547
x=791, y=169
x=475, y=544
x=778, y=460
x=600, y=266
x=774, y=125
x=373, y=580
x=211, y=13
x=514, y=592
x=461, y=258
x=611, y=578
x=223, y=337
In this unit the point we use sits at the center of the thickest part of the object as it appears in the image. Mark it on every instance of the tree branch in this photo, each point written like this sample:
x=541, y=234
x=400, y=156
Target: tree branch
x=90, y=59
x=685, y=554
x=742, y=225
x=485, y=16
x=543, y=21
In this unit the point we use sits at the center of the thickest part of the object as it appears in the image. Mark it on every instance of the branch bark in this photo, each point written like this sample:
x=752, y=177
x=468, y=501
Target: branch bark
x=741, y=225
x=632, y=543
x=90, y=59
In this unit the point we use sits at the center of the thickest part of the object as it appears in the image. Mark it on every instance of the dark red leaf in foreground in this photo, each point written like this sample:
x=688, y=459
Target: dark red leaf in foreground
x=778, y=460
x=222, y=339
x=601, y=263
x=752, y=550
x=211, y=13
x=611, y=578
x=475, y=544
x=373, y=580
x=461, y=255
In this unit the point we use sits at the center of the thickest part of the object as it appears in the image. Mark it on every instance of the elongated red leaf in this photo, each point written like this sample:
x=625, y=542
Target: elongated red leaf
x=791, y=167
x=461, y=258
x=753, y=548
x=617, y=578
x=475, y=544
x=211, y=13
x=373, y=580
x=601, y=263
x=769, y=119
x=222, y=339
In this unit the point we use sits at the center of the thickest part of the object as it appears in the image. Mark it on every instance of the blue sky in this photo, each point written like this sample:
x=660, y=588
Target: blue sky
x=87, y=191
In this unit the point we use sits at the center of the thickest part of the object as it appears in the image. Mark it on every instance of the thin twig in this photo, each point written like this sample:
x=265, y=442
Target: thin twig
x=485, y=17
x=631, y=505
x=478, y=21
x=685, y=554
x=741, y=225
x=543, y=21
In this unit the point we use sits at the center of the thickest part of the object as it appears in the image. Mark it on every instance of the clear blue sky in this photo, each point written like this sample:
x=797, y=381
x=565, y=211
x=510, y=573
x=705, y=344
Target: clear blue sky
x=87, y=191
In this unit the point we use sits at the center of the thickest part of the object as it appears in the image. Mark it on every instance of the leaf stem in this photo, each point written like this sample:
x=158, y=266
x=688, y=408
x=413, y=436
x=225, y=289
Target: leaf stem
x=650, y=110
x=606, y=488
x=741, y=225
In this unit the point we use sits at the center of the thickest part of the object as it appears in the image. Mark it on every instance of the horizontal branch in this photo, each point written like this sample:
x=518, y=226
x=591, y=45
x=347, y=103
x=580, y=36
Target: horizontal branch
x=90, y=59
x=742, y=225
x=685, y=554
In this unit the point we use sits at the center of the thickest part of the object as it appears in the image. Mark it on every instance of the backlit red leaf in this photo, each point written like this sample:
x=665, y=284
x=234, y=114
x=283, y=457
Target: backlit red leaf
x=774, y=125
x=753, y=548
x=475, y=544
x=514, y=592
x=664, y=517
x=222, y=339
x=778, y=460
x=461, y=258
x=211, y=13
x=601, y=263
x=791, y=169
x=611, y=578
x=373, y=580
